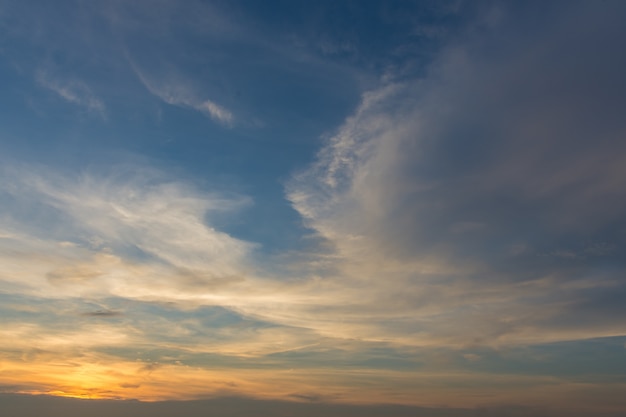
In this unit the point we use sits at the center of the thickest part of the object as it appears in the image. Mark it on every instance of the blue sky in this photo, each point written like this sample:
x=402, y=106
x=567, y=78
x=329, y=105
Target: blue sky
x=352, y=205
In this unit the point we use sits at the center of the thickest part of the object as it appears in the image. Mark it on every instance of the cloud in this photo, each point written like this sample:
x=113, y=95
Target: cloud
x=178, y=93
x=126, y=385
x=429, y=190
x=138, y=235
x=216, y=112
x=141, y=235
x=235, y=407
x=423, y=197
x=102, y=313
x=73, y=91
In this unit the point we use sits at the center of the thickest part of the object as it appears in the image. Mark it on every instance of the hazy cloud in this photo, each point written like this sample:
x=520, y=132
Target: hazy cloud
x=73, y=91
x=179, y=93
x=431, y=189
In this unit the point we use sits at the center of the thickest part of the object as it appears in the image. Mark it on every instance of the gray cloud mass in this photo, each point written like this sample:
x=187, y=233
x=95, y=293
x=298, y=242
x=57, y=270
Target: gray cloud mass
x=500, y=172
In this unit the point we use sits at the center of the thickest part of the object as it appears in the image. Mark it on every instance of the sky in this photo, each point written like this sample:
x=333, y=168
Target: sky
x=303, y=208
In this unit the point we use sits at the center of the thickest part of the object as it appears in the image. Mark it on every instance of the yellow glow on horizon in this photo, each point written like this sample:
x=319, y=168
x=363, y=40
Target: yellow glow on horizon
x=101, y=377
x=82, y=396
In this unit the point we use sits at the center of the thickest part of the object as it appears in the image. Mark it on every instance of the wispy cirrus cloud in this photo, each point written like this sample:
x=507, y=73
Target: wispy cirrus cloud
x=178, y=93
x=73, y=91
x=110, y=233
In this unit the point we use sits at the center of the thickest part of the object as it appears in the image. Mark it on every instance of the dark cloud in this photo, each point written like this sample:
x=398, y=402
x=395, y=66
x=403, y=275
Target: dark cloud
x=102, y=313
x=520, y=138
x=32, y=406
x=150, y=367
x=127, y=385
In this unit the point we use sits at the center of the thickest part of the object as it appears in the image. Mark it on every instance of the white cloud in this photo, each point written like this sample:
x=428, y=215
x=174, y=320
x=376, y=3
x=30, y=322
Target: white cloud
x=140, y=236
x=216, y=112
